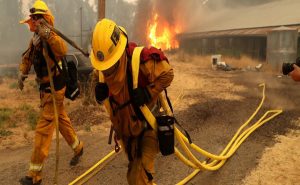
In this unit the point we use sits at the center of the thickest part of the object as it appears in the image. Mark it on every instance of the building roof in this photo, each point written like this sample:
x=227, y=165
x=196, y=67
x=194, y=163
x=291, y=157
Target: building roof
x=253, y=20
x=258, y=32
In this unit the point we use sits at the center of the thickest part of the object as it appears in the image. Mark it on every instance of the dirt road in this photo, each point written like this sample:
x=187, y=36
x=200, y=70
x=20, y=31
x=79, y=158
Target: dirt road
x=213, y=106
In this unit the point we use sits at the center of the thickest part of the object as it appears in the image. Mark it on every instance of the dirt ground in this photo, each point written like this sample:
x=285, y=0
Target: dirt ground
x=211, y=105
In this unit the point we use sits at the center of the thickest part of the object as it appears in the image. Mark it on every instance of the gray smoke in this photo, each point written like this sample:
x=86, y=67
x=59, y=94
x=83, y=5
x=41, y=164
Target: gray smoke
x=235, y=3
x=188, y=13
x=142, y=15
x=68, y=14
x=75, y=18
x=15, y=37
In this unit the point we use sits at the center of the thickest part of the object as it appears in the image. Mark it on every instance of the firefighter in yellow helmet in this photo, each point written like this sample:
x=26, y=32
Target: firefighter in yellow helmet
x=34, y=55
x=111, y=55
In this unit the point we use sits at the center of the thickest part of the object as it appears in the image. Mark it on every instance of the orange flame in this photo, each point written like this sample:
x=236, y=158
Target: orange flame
x=164, y=37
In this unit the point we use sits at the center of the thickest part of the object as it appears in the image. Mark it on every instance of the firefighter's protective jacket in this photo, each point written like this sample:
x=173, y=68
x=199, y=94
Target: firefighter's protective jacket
x=58, y=48
x=156, y=76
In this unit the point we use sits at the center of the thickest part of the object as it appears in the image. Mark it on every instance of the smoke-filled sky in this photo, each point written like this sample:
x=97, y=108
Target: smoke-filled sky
x=26, y=5
x=68, y=15
x=132, y=14
x=188, y=13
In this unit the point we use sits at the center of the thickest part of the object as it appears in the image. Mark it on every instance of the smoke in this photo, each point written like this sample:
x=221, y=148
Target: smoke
x=134, y=2
x=93, y=4
x=74, y=18
x=236, y=3
x=175, y=12
x=25, y=6
x=189, y=14
x=142, y=15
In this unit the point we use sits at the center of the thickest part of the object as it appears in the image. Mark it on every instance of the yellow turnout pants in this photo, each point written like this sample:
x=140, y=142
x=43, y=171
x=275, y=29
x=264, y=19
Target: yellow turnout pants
x=141, y=168
x=44, y=131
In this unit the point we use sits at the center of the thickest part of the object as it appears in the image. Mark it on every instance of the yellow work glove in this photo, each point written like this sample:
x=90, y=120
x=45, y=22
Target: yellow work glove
x=21, y=79
x=43, y=31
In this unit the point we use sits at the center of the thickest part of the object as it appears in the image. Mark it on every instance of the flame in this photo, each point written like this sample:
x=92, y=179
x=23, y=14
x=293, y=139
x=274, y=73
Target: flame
x=161, y=34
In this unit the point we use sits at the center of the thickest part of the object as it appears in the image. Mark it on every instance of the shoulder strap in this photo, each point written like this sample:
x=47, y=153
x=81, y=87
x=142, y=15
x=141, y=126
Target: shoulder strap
x=51, y=55
x=132, y=79
x=135, y=63
x=106, y=101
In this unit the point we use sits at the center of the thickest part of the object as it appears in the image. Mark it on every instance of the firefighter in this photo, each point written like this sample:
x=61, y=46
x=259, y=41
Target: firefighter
x=111, y=55
x=34, y=55
x=295, y=74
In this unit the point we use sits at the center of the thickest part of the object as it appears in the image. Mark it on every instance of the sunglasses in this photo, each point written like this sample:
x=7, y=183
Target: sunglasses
x=33, y=10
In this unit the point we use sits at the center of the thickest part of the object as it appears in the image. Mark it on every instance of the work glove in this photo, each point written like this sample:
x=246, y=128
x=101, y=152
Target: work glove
x=101, y=92
x=295, y=74
x=43, y=31
x=21, y=79
x=141, y=96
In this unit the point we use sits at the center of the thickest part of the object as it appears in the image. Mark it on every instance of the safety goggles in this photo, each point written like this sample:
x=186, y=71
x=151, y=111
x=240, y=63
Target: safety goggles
x=33, y=10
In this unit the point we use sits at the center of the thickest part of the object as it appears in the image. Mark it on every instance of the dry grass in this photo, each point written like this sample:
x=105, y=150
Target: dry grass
x=243, y=62
x=5, y=133
x=11, y=117
x=5, y=116
x=280, y=163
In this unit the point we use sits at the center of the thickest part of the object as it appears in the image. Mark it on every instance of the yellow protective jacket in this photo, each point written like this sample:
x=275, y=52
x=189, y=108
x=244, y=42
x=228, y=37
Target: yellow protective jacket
x=159, y=75
x=58, y=48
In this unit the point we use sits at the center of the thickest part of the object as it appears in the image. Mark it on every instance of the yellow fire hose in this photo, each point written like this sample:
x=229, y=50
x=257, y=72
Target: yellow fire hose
x=215, y=161
x=94, y=169
x=47, y=58
x=232, y=146
x=218, y=160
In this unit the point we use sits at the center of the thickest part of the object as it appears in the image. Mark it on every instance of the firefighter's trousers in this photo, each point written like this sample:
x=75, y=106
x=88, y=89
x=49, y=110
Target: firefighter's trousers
x=44, y=131
x=141, y=168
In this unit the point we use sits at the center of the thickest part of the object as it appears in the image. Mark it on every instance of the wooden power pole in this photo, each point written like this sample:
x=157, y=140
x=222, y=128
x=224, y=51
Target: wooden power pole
x=101, y=9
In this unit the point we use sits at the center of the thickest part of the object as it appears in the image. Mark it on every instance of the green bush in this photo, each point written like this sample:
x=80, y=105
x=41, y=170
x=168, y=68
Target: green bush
x=32, y=119
x=5, y=114
x=25, y=107
x=87, y=128
x=4, y=133
x=13, y=85
x=31, y=115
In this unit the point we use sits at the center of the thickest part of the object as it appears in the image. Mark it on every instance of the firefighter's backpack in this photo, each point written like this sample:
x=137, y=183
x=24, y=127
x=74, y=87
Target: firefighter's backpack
x=69, y=71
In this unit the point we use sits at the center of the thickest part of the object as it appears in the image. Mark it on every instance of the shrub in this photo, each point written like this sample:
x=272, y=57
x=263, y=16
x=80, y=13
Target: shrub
x=5, y=114
x=32, y=119
x=4, y=133
x=31, y=115
x=25, y=107
x=13, y=85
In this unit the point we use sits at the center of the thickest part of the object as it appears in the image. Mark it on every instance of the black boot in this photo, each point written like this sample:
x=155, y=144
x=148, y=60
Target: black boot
x=28, y=181
x=75, y=160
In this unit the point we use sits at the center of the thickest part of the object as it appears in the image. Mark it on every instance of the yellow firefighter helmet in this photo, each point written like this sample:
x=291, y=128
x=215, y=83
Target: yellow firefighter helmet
x=108, y=44
x=39, y=7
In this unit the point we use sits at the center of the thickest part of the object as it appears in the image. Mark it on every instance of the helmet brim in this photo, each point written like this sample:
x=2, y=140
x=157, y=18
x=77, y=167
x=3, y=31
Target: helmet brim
x=24, y=21
x=39, y=12
x=104, y=65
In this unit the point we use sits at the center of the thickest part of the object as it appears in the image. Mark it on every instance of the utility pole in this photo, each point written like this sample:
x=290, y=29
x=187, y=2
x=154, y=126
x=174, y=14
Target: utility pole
x=80, y=26
x=101, y=9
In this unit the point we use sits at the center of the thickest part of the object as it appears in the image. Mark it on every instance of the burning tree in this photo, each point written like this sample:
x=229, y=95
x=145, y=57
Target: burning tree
x=157, y=23
x=161, y=33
